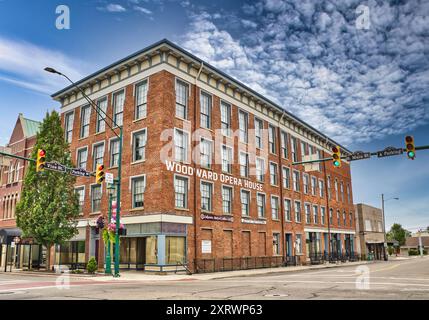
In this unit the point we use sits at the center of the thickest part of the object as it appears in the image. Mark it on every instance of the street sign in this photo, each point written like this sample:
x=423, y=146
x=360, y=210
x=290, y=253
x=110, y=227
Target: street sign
x=308, y=167
x=359, y=155
x=55, y=166
x=79, y=172
x=390, y=151
x=109, y=178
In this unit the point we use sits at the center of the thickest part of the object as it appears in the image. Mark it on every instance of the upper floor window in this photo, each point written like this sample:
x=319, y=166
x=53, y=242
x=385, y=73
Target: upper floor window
x=259, y=128
x=138, y=185
x=328, y=185
x=294, y=149
x=225, y=110
x=260, y=202
x=286, y=177
x=336, y=189
x=287, y=208
x=338, y=217
x=227, y=200
x=331, y=212
x=245, y=202
x=260, y=169
x=344, y=219
x=323, y=214
x=295, y=177
x=114, y=152
x=305, y=183
x=320, y=156
x=98, y=155
x=316, y=214
x=351, y=219
x=141, y=90
x=101, y=115
x=118, y=108
x=307, y=213
x=181, y=143
x=284, y=144
x=205, y=153
x=313, y=186
x=297, y=206
x=244, y=164
x=68, y=126
x=342, y=191
x=206, y=196
x=181, y=192
x=304, y=149
x=226, y=159
x=182, y=98
x=348, y=194
x=272, y=138
x=80, y=191
x=82, y=158
x=243, y=124
x=96, y=193
x=139, y=145
x=206, y=108
x=85, y=116
x=273, y=174
x=275, y=207
x=321, y=188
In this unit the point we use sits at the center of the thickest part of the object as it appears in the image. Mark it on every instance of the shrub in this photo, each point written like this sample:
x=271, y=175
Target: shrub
x=92, y=266
x=390, y=250
x=413, y=252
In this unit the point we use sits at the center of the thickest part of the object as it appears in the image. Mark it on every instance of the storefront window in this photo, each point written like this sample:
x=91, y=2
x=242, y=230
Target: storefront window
x=174, y=250
x=151, y=251
x=72, y=252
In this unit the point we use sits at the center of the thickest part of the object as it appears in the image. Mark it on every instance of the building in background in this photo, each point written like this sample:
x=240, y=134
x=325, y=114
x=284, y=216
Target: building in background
x=14, y=249
x=250, y=203
x=412, y=244
x=369, y=231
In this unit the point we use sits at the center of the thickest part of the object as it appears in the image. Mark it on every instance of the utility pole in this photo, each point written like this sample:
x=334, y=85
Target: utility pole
x=384, y=228
x=420, y=243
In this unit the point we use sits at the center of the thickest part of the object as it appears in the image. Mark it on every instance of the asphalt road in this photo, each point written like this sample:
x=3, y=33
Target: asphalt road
x=407, y=279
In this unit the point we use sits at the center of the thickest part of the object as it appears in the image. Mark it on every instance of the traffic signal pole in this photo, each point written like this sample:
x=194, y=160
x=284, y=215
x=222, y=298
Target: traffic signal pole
x=118, y=203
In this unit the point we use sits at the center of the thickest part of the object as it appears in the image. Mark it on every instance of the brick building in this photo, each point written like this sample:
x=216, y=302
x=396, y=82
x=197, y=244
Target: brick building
x=12, y=172
x=207, y=167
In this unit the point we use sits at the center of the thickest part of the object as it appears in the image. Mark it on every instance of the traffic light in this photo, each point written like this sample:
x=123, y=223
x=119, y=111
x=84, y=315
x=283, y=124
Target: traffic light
x=411, y=149
x=336, y=156
x=41, y=160
x=99, y=174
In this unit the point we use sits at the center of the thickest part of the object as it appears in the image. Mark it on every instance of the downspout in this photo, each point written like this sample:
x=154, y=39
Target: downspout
x=195, y=171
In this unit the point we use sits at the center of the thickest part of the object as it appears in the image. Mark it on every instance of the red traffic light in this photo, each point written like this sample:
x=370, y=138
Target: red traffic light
x=101, y=167
x=409, y=139
x=42, y=153
x=335, y=149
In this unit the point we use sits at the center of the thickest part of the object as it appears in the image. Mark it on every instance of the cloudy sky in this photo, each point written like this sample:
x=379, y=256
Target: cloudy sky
x=362, y=81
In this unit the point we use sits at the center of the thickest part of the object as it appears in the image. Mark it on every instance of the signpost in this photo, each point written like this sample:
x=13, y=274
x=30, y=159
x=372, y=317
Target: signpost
x=55, y=166
x=390, y=151
x=79, y=172
x=359, y=155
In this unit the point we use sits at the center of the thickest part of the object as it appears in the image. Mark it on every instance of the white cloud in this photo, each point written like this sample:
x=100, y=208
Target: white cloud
x=142, y=10
x=112, y=7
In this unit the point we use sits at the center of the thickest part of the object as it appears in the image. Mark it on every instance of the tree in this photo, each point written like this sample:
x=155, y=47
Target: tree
x=398, y=233
x=49, y=207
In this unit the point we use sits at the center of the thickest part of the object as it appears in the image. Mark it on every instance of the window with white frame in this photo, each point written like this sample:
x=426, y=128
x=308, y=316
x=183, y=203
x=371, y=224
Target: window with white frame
x=260, y=169
x=272, y=139
x=205, y=110
x=323, y=215
x=260, y=202
x=243, y=125
x=182, y=98
x=96, y=198
x=305, y=182
x=181, y=144
x=297, y=206
x=181, y=192
x=273, y=174
x=294, y=149
x=227, y=200
x=259, y=128
x=226, y=159
x=307, y=209
x=336, y=189
x=331, y=213
x=295, y=178
x=298, y=243
x=287, y=209
x=68, y=126
x=82, y=158
x=139, y=145
x=321, y=188
x=275, y=207
x=118, y=107
x=286, y=177
x=313, y=186
x=114, y=152
x=315, y=214
x=276, y=243
x=80, y=191
x=304, y=149
x=141, y=90
x=138, y=185
x=245, y=202
x=206, y=196
x=85, y=117
x=244, y=164
x=329, y=187
x=284, y=138
x=101, y=115
x=368, y=225
x=225, y=116
x=98, y=155
x=205, y=153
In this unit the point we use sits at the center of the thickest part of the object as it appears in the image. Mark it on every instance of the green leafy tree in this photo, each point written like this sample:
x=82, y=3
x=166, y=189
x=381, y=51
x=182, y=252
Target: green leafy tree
x=398, y=233
x=49, y=207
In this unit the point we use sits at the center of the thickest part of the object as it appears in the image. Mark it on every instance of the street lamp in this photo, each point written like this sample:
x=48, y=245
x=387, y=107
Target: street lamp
x=118, y=180
x=384, y=221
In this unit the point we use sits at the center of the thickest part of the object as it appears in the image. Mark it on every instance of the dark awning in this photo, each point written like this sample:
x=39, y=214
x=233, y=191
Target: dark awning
x=7, y=235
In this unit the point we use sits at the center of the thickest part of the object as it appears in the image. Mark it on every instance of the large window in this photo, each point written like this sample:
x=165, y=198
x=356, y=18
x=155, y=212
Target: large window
x=182, y=95
x=338, y=218
x=141, y=90
x=297, y=206
x=227, y=199
x=225, y=110
x=305, y=182
x=348, y=193
x=138, y=185
x=296, y=181
x=68, y=126
x=321, y=188
x=315, y=214
x=82, y=158
x=351, y=219
x=205, y=153
x=181, y=142
x=139, y=145
x=313, y=186
x=101, y=115
x=287, y=208
x=114, y=152
x=260, y=202
x=226, y=159
x=95, y=198
x=80, y=191
x=345, y=219
x=323, y=214
x=328, y=185
x=98, y=155
x=275, y=207
x=244, y=164
x=307, y=213
x=286, y=177
x=118, y=107
x=206, y=107
x=260, y=169
x=304, y=149
x=273, y=174
x=342, y=191
x=243, y=125
x=259, y=133
x=175, y=250
x=272, y=139
x=85, y=116
x=245, y=202
x=284, y=150
x=181, y=192
x=330, y=216
x=206, y=196
x=294, y=150
x=276, y=243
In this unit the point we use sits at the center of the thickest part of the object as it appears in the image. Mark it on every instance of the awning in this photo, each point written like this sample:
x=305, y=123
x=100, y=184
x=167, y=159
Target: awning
x=7, y=235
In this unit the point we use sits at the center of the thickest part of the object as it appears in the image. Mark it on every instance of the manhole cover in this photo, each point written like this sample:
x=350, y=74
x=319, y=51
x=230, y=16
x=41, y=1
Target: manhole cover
x=275, y=295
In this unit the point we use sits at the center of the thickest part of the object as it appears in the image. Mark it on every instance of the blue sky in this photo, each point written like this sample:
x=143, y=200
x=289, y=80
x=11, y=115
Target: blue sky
x=366, y=88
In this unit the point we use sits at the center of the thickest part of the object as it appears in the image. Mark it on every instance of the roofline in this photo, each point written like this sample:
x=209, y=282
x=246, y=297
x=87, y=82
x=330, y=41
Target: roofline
x=207, y=65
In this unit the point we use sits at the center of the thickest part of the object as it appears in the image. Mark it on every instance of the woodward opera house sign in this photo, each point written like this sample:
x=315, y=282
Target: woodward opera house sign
x=212, y=176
